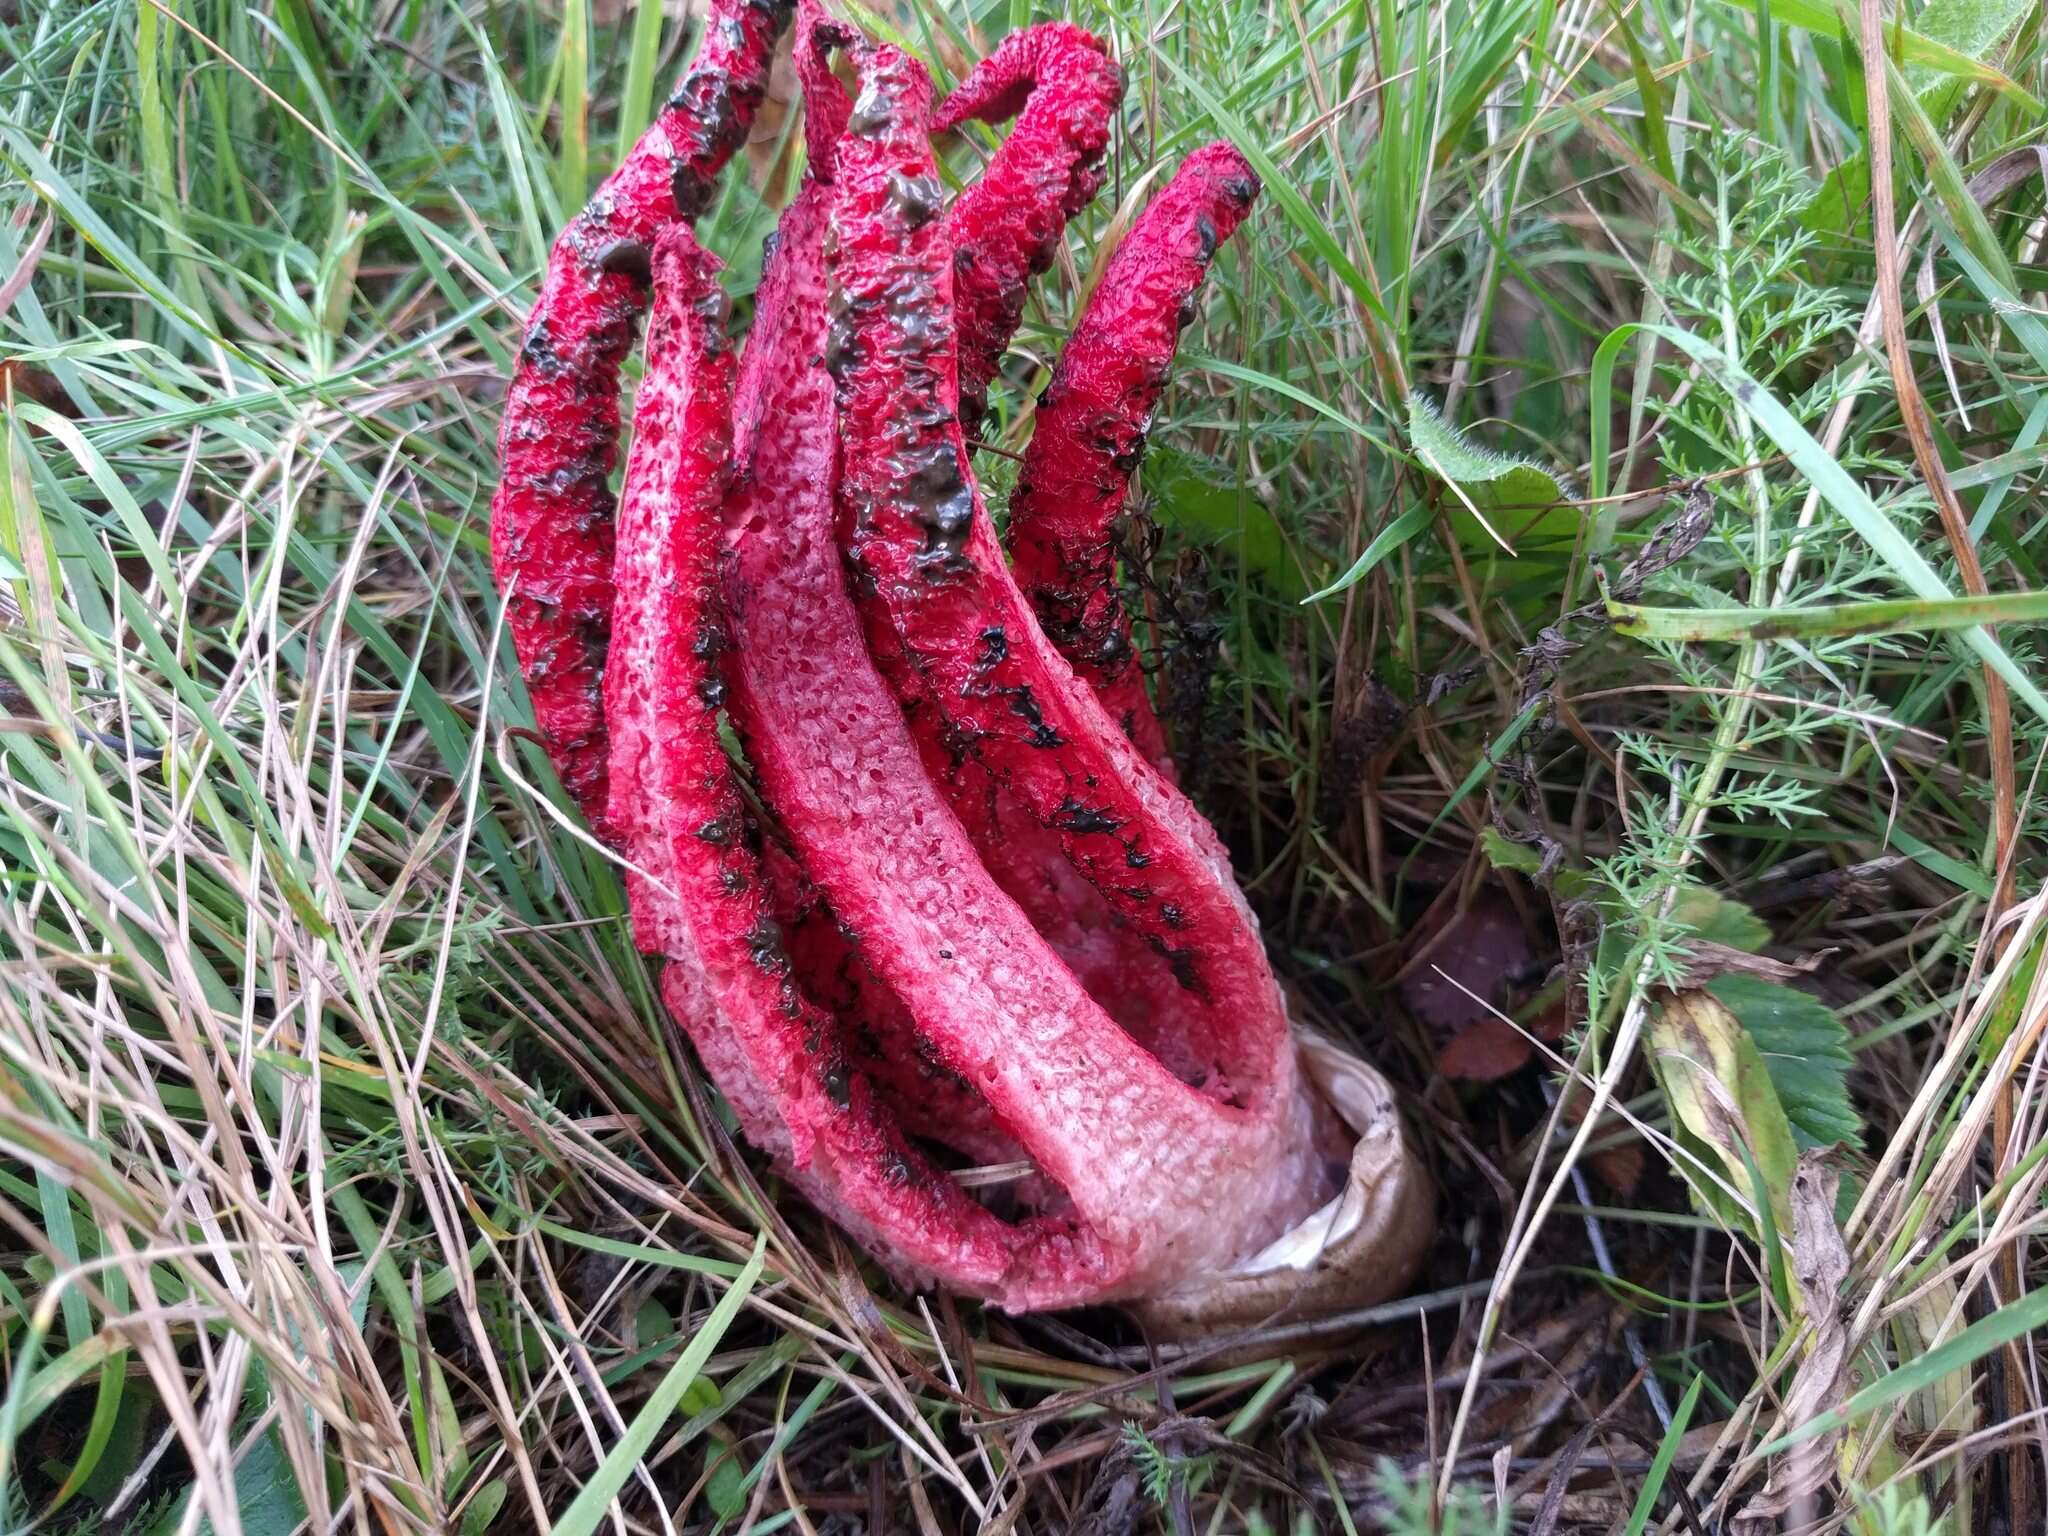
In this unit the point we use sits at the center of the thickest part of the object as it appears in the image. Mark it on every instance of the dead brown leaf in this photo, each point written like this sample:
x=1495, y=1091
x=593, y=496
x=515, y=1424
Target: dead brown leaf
x=1820, y=1264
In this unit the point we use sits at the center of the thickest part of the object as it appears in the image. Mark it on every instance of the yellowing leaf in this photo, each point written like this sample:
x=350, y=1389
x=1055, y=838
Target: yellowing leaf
x=1723, y=1103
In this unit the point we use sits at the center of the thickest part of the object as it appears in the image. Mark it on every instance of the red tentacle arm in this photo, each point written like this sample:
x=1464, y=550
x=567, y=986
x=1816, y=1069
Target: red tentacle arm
x=551, y=519
x=1063, y=88
x=698, y=895
x=1091, y=424
x=1134, y=1146
x=784, y=345
x=955, y=635
x=831, y=755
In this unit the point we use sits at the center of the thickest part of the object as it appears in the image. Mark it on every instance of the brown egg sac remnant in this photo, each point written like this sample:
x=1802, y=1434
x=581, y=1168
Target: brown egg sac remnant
x=983, y=985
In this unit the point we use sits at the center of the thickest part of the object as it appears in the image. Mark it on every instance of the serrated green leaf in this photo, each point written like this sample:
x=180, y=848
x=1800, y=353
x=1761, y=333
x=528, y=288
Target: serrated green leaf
x=1817, y=17
x=1805, y=1047
x=1971, y=27
x=1497, y=502
x=266, y=1495
x=1718, y=919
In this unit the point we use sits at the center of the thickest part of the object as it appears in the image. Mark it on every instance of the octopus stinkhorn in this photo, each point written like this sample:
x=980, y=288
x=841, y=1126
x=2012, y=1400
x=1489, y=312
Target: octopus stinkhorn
x=972, y=970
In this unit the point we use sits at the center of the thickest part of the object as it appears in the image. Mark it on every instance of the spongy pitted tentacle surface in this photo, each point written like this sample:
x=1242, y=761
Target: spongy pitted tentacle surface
x=1063, y=88
x=551, y=519
x=698, y=897
x=831, y=755
x=957, y=640
x=1089, y=431
x=1137, y=1151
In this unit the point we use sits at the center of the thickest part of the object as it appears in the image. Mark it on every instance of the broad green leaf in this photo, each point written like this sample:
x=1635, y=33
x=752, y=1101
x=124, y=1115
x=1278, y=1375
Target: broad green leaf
x=1496, y=502
x=1820, y=18
x=1206, y=505
x=483, y=1509
x=1971, y=27
x=726, y=1488
x=1805, y=1047
x=654, y=1321
x=266, y=1495
x=1719, y=919
x=701, y=1396
x=1842, y=200
x=1504, y=853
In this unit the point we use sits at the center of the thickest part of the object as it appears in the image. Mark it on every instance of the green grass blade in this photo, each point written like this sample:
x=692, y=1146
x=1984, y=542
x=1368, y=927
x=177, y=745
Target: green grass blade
x=587, y=1512
x=1890, y=617
x=1667, y=1454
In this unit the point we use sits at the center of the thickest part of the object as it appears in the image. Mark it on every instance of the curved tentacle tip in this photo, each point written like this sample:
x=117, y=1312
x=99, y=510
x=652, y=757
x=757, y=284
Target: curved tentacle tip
x=552, y=514
x=996, y=89
x=1225, y=164
x=826, y=102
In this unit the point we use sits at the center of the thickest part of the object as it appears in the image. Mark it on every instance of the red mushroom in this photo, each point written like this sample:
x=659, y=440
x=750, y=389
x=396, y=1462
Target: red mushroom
x=1061, y=85
x=551, y=520
x=977, y=926
x=1089, y=432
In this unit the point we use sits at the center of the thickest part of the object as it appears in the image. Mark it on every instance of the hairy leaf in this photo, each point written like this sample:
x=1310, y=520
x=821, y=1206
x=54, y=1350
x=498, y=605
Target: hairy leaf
x=1496, y=502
